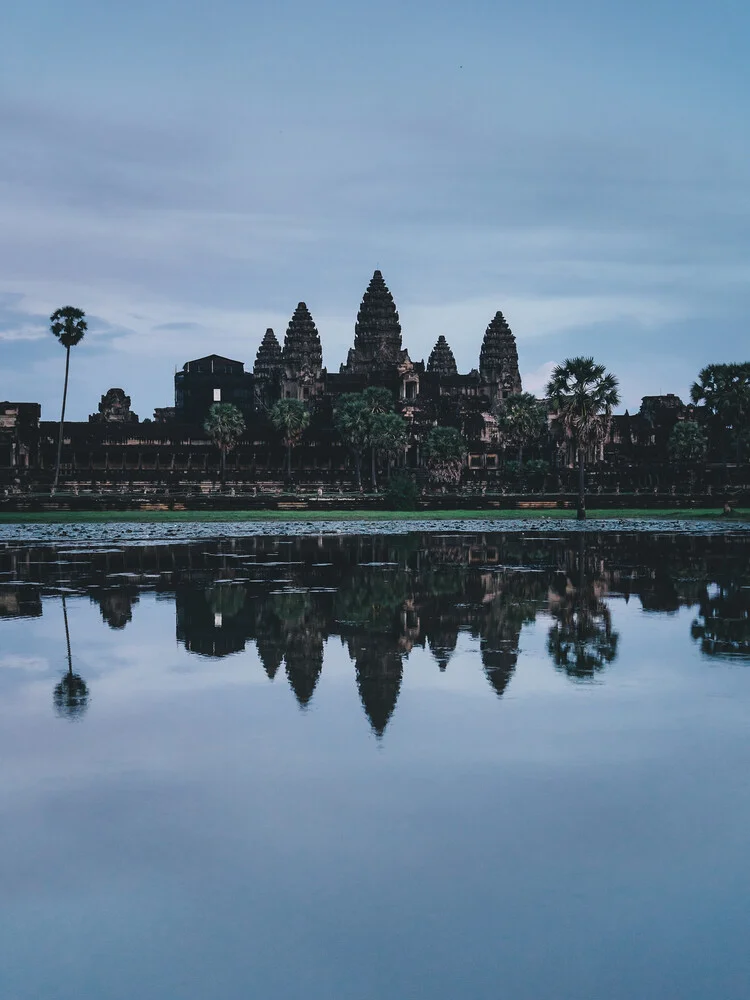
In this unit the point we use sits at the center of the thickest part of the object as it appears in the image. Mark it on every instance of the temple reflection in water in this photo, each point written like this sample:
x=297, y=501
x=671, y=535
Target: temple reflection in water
x=382, y=596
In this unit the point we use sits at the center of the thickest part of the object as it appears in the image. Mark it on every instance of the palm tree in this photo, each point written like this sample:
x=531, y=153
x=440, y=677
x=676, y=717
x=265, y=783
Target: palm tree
x=445, y=450
x=351, y=419
x=687, y=442
x=389, y=435
x=724, y=391
x=291, y=417
x=582, y=394
x=68, y=325
x=377, y=402
x=225, y=425
x=522, y=421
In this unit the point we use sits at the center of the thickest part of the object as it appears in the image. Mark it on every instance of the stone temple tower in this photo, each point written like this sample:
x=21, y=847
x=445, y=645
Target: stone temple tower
x=377, y=334
x=268, y=363
x=302, y=357
x=268, y=369
x=302, y=354
x=441, y=360
x=498, y=359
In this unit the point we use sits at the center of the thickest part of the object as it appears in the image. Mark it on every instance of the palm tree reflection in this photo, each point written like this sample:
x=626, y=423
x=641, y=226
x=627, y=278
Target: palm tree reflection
x=582, y=641
x=71, y=694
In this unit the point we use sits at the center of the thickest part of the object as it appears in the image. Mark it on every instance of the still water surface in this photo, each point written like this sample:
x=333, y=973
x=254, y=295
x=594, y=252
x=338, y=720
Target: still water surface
x=388, y=766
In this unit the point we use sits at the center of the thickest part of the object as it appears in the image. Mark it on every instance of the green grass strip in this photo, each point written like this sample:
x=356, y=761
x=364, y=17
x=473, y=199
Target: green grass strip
x=207, y=516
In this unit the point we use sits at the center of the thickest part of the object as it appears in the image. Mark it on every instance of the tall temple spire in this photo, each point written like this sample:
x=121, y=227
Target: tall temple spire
x=377, y=334
x=268, y=361
x=441, y=361
x=498, y=358
x=302, y=352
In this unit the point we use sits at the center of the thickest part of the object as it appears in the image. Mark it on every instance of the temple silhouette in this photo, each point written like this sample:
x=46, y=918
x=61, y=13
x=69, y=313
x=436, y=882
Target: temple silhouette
x=116, y=445
x=116, y=451
x=378, y=358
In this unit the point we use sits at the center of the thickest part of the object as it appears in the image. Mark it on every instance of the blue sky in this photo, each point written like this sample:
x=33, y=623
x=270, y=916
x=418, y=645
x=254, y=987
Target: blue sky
x=187, y=172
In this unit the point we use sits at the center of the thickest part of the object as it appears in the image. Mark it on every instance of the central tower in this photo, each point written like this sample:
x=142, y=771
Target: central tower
x=377, y=334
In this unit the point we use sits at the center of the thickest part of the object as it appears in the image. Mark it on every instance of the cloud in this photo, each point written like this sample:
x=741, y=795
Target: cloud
x=536, y=381
x=27, y=664
x=189, y=216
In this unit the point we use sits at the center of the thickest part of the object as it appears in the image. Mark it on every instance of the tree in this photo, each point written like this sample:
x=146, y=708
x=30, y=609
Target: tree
x=358, y=420
x=377, y=402
x=687, y=442
x=225, y=425
x=582, y=393
x=291, y=417
x=389, y=435
x=724, y=390
x=69, y=326
x=522, y=421
x=352, y=420
x=71, y=694
x=444, y=450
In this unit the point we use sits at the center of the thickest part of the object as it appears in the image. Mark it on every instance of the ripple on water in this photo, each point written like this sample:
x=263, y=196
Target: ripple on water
x=181, y=531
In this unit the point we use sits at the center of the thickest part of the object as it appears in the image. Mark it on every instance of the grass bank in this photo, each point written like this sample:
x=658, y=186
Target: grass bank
x=195, y=516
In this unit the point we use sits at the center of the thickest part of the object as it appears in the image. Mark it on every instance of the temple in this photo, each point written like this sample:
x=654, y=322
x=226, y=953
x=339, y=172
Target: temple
x=116, y=450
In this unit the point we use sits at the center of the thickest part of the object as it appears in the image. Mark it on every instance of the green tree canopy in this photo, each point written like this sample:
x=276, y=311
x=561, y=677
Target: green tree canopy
x=444, y=450
x=724, y=392
x=291, y=417
x=351, y=419
x=362, y=420
x=225, y=425
x=522, y=420
x=582, y=393
x=378, y=400
x=687, y=442
x=389, y=434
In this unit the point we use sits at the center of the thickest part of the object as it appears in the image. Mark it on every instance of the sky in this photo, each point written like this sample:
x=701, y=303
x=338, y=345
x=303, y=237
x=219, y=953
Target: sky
x=186, y=172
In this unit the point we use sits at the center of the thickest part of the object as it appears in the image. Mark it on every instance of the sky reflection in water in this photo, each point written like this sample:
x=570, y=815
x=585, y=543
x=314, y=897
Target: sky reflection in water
x=520, y=767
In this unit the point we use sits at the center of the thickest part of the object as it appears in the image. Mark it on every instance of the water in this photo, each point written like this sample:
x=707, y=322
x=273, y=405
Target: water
x=428, y=764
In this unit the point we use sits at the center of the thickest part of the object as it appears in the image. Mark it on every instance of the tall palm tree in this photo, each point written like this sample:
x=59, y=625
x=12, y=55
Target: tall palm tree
x=389, y=434
x=225, y=425
x=582, y=394
x=522, y=421
x=377, y=402
x=68, y=325
x=352, y=420
x=291, y=417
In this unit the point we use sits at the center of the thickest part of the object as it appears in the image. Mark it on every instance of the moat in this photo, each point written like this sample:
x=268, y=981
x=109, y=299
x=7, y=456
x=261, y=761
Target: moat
x=339, y=760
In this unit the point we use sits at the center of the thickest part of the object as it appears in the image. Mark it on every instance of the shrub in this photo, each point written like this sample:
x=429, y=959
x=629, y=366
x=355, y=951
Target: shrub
x=402, y=492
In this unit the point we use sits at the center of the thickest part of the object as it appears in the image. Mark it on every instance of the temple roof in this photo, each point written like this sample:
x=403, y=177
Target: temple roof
x=268, y=360
x=441, y=360
x=377, y=333
x=211, y=362
x=302, y=351
x=498, y=358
